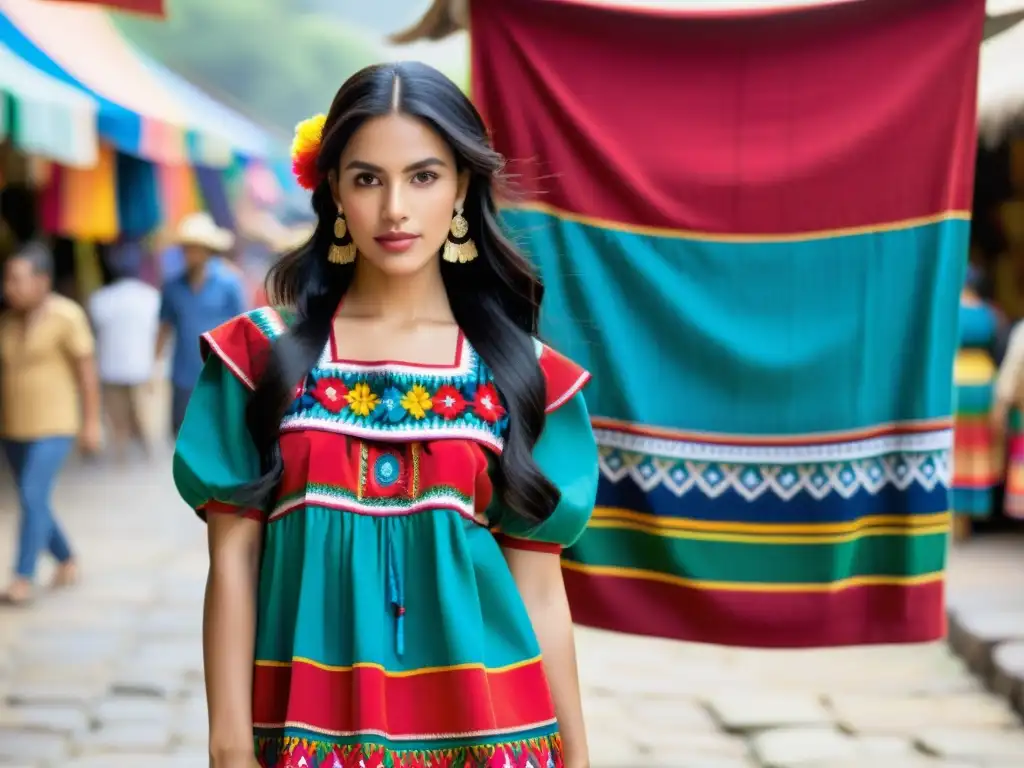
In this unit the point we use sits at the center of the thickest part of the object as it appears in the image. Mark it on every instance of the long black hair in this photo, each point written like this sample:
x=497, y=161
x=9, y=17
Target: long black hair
x=495, y=299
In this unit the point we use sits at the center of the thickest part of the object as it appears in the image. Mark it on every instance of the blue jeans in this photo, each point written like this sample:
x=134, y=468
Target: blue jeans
x=35, y=465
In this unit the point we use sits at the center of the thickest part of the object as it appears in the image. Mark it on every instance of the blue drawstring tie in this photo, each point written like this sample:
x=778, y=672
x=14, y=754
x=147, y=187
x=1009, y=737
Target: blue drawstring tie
x=395, y=594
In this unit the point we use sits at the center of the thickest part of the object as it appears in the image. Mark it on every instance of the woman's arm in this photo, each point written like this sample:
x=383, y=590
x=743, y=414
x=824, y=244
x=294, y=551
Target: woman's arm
x=539, y=578
x=229, y=636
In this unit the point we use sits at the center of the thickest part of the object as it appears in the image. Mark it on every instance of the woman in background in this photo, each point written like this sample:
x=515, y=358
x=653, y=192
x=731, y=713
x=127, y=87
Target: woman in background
x=977, y=459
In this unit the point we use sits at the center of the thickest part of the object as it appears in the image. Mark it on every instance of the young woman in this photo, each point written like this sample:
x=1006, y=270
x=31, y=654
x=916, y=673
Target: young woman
x=390, y=466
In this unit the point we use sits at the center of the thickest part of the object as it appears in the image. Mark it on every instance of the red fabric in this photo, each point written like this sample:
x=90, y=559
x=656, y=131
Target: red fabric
x=241, y=346
x=792, y=122
x=627, y=7
x=916, y=614
x=528, y=545
x=562, y=377
x=221, y=508
x=50, y=201
x=146, y=7
x=318, y=458
x=365, y=699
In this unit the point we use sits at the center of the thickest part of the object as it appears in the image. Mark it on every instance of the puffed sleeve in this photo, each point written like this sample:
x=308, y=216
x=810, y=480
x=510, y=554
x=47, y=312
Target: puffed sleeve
x=213, y=455
x=567, y=454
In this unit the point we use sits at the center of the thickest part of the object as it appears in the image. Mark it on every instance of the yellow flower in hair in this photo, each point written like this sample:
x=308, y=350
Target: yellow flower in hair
x=305, y=148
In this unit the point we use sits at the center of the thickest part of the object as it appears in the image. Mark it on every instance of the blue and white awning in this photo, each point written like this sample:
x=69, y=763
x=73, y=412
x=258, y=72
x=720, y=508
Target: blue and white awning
x=44, y=116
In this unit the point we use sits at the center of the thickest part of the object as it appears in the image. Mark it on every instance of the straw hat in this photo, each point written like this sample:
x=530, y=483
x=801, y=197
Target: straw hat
x=200, y=229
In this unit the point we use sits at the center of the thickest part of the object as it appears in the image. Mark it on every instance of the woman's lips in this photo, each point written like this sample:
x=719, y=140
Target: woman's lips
x=398, y=242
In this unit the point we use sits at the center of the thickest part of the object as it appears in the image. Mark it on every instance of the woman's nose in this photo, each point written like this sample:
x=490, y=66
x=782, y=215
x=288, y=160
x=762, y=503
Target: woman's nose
x=395, y=205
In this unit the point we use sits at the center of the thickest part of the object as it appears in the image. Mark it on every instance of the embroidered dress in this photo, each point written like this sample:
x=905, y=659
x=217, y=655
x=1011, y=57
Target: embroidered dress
x=976, y=464
x=389, y=629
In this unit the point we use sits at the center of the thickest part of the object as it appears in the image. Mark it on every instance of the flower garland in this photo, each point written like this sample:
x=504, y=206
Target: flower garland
x=393, y=405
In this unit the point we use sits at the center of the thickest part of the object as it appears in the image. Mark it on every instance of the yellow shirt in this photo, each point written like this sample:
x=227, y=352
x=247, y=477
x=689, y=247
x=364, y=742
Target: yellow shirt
x=39, y=395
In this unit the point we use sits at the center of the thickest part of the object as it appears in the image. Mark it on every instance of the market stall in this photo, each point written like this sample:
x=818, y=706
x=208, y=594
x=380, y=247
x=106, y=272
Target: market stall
x=157, y=147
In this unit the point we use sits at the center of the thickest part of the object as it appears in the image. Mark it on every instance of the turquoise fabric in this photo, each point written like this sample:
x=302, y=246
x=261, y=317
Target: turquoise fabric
x=707, y=335
x=213, y=455
x=574, y=472
x=978, y=326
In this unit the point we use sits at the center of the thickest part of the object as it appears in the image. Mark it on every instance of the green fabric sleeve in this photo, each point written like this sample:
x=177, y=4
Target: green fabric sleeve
x=214, y=455
x=567, y=453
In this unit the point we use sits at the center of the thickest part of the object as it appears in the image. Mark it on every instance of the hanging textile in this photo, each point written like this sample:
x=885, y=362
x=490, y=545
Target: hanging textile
x=88, y=270
x=86, y=205
x=138, y=203
x=179, y=192
x=215, y=196
x=752, y=228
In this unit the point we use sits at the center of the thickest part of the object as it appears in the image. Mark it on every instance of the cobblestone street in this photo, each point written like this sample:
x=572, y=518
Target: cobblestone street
x=109, y=674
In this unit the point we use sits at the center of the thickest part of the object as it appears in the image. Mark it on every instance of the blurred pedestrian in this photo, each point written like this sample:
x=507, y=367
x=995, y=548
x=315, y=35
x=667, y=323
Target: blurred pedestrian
x=125, y=315
x=201, y=298
x=49, y=393
x=978, y=460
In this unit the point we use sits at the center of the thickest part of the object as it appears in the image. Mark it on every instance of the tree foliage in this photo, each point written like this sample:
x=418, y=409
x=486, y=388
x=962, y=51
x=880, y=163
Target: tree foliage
x=276, y=61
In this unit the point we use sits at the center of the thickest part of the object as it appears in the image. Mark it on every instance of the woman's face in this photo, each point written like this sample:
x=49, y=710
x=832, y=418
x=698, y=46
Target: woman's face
x=398, y=186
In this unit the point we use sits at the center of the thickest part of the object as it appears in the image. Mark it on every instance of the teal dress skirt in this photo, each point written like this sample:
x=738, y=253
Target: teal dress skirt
x=390, y=631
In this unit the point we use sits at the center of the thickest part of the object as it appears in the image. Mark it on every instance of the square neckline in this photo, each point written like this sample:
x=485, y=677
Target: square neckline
x=370, y=366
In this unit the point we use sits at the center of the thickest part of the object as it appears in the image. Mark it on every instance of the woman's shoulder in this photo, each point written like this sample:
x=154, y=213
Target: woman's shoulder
x=564, y=378
x=243, y=342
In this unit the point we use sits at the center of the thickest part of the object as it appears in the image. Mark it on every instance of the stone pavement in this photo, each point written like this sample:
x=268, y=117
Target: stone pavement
x=109, y=674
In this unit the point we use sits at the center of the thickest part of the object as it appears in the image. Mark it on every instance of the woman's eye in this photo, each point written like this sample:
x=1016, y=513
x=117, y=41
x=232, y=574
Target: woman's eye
x=424, y=177
x=365, y=180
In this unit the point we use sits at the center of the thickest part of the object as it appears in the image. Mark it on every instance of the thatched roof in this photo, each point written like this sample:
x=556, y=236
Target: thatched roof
x=445, y=17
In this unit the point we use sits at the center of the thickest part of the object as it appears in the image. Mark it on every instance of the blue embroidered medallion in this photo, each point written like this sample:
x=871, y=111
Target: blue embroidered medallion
x=386, y=470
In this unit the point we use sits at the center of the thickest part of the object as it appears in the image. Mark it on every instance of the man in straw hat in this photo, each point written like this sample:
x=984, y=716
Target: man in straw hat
x=207, y=294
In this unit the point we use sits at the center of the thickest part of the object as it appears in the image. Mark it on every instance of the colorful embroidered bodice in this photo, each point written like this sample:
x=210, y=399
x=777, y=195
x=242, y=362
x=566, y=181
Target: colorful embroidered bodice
x=387, y=438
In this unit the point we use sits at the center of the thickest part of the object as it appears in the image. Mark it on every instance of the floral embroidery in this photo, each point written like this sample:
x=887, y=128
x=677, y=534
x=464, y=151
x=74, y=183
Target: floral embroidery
x=330, y=393
x=487, y=404
x=417, y=401
x=449, y=402
x=391, y=407
x=362, y=399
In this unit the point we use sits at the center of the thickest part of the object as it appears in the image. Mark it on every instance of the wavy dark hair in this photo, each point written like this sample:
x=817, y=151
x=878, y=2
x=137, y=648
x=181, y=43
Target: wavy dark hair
x=495, y=299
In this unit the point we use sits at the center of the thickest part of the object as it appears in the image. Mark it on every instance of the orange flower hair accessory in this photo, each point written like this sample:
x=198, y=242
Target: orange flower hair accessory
x=305, y=149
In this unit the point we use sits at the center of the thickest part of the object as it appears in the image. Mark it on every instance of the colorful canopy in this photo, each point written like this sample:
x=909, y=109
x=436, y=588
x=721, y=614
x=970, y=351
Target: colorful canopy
x=144, y=110
x=224, y=129
x=47, y=117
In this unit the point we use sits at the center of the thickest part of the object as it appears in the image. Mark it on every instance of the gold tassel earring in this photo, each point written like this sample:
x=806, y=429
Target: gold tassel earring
x=459, y=248
x=342, y=250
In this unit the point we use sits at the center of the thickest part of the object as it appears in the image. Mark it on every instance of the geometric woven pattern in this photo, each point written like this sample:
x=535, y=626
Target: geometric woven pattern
x=928, y=470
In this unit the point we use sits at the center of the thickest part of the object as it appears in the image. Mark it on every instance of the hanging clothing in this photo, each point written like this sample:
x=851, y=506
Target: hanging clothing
x=975, y=464
x=390, y=630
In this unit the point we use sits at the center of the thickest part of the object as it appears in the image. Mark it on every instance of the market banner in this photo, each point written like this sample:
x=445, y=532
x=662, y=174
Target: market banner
x=145, y=7
x=753, y=231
